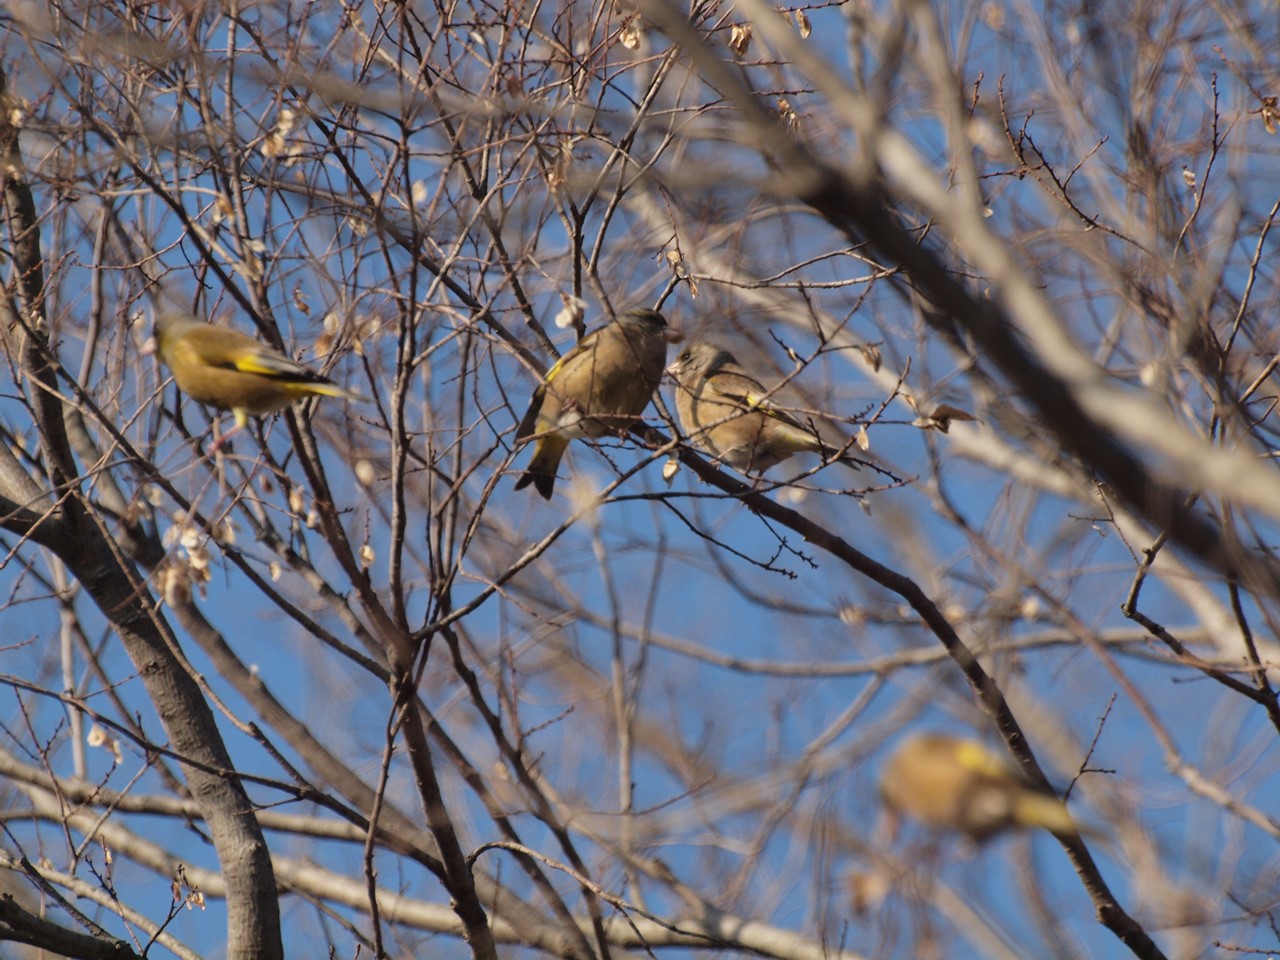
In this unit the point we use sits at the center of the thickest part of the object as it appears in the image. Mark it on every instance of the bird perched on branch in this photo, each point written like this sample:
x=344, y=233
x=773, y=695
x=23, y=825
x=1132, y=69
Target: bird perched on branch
x=232, y=371
x=600, y=386
x=958, y=784
x=727, y=413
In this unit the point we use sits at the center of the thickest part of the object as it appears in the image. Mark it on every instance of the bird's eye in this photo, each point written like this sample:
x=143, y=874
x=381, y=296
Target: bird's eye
x=684, y=357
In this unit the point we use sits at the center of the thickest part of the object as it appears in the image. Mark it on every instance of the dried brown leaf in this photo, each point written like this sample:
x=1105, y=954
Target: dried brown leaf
x=788, y=113
x=867, y=890
x=941, y=417
x=1270, y=113
x=947, y=412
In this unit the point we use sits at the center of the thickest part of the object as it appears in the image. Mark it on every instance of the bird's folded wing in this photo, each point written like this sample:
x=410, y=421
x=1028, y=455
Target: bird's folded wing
x=530, y=420
x=576, y=350
x=270, y=364
x=749, y=394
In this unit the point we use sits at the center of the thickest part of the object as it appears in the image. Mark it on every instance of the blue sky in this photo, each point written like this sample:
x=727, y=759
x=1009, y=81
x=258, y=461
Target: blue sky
x=469, y=389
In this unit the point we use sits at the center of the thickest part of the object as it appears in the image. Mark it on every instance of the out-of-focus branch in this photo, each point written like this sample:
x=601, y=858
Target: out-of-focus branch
x=21, y=927
x=984, y=686
x=1099, y=422
x=87, y=550
x=712, y=930
x=35, y=359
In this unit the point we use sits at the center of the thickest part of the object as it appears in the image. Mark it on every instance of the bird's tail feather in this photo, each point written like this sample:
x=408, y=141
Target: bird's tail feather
x=1040, y=810
x=541, y=471
x=544, y=483
x=307, y=388
x=808, y=439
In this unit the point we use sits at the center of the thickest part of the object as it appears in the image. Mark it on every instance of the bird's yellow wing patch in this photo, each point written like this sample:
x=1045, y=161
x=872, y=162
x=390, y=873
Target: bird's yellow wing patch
x=269, y=365
x=575, y=350
x=529, y=423
x=754, y=400
x=975, y=757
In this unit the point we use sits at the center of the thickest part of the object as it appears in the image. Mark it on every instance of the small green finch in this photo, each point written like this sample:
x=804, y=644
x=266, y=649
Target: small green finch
x=727, y=413
x=599, y=387
x=232, y=371
x=960, y=785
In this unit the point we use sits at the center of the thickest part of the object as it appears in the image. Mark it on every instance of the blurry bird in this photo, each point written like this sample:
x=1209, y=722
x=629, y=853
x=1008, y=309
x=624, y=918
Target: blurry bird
x=958, y=784
x=232, y=371
x=600, y=386
x=727, y=413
